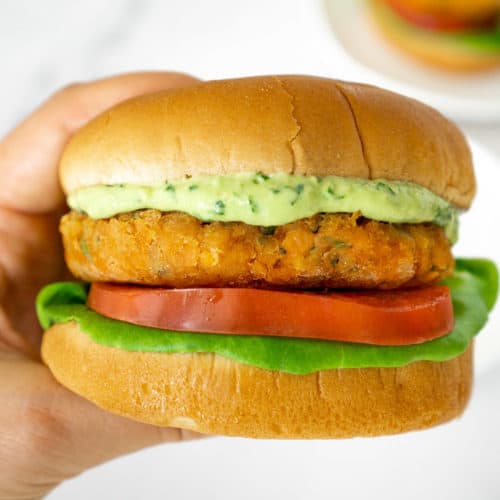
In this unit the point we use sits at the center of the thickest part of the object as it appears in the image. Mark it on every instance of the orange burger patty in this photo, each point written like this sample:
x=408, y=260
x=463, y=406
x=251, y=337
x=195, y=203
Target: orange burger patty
x=327, y=250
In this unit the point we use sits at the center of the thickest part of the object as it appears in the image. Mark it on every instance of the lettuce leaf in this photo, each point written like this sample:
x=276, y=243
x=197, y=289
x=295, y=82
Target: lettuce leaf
x=474, y=288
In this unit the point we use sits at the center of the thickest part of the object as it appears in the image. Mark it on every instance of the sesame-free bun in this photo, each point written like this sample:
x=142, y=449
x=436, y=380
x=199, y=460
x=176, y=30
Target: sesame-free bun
x=212, y=394
x=432, y=47
x=473, y=10
x=295, y=124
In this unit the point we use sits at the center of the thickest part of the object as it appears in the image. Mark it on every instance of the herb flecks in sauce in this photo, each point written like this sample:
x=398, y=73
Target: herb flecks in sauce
x=220, y=207
x=254, y=207
x=272, y=200
x=260, y=177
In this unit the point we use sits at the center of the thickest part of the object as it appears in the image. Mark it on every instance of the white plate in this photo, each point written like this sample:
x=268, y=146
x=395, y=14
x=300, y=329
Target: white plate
x=463, y=97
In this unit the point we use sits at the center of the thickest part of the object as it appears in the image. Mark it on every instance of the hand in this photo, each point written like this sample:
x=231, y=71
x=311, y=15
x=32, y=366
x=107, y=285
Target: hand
x=47, y=433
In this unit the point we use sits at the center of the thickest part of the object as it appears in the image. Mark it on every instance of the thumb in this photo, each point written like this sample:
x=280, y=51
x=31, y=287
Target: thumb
x=30, y=153
x=92, y=436
x=48, y=434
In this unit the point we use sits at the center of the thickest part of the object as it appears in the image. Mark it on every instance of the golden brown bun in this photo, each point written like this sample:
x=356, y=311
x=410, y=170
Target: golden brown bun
x=212, y=394
x=434, y=50
x=294, y=124
x=462, y=9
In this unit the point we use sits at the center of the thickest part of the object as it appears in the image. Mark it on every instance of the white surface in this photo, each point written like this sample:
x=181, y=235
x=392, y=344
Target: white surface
x=476, y=239
x=466, y=97
x=45, y=45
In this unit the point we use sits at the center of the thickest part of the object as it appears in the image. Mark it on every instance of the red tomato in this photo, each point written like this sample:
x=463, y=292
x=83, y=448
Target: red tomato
x=376, y=317
x=439, y=22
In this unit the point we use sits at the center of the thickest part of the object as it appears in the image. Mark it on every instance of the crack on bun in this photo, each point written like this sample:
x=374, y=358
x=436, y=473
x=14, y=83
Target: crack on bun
x=301, y=124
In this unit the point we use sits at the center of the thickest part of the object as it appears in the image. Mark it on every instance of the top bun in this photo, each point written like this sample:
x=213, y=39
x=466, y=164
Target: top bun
x=295, y=124
x=472, y=10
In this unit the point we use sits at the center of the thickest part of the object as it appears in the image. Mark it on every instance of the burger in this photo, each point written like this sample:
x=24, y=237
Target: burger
x=268, y=257
x=457, y=35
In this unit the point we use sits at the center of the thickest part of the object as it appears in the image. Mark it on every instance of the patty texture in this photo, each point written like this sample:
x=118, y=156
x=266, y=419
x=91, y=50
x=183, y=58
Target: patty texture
x=174, y=249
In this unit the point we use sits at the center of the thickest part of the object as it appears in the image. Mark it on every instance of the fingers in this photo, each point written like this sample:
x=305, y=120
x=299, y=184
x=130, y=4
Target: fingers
x=30, y=153
x=48, y=434
x=97, y=436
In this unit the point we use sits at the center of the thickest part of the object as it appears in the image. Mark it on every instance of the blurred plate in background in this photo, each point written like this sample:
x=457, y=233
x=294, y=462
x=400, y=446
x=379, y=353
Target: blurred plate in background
x=463, y=97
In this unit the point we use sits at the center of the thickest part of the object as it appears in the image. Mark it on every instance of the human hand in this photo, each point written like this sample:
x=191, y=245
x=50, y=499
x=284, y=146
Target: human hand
x=47, y=433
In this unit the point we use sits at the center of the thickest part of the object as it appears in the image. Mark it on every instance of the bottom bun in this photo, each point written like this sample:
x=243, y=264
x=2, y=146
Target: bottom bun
x=211, y=394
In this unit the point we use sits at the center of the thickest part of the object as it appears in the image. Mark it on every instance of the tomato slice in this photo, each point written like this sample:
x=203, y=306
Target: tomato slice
x=439, y=22
x=373, y=317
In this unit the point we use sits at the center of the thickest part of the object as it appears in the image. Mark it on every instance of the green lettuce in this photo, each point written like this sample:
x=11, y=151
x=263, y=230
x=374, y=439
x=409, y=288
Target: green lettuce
x=474, y=288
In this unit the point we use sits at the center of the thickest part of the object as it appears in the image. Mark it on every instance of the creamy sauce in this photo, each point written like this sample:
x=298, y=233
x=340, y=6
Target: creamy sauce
x=272, y=200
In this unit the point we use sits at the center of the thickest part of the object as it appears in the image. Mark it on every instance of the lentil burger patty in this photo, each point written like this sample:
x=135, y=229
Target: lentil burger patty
x=327, y=250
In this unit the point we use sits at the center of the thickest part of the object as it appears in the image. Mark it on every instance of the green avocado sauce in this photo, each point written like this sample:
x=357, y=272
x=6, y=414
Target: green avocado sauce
x=272, y=200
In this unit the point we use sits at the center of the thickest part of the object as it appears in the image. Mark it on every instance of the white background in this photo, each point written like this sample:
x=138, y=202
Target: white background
x=44, y=45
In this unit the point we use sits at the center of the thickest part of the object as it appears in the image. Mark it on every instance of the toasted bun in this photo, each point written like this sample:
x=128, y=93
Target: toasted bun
x=295, y=124
x=461, y=9
x=212, y=394
x=435, y=50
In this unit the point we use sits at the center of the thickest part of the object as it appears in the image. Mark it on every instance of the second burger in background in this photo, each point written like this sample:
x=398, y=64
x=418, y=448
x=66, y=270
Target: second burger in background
x=459, y=35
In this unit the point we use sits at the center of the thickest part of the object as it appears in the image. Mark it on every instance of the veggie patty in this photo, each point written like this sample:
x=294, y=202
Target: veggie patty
x=327, y=250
